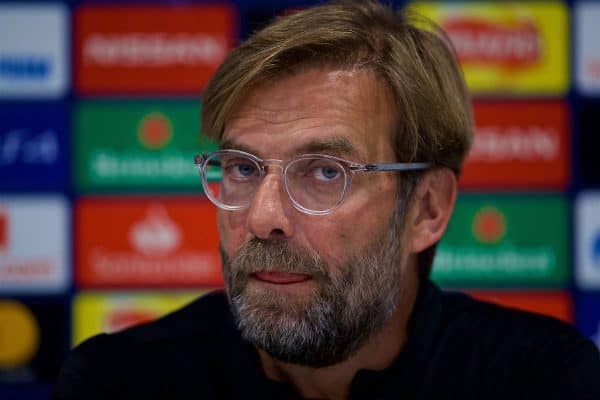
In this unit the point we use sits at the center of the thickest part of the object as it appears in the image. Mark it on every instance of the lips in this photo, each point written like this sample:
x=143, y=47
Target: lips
x=281, y=278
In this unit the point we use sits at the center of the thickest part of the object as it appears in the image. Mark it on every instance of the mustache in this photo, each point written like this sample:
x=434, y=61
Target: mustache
x=273, y=255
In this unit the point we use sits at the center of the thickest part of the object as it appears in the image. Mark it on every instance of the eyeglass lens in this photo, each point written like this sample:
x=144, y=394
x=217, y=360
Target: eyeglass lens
x=313, y=183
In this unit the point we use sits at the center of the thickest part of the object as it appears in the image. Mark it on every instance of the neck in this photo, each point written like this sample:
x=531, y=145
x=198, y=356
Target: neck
x=334, y=382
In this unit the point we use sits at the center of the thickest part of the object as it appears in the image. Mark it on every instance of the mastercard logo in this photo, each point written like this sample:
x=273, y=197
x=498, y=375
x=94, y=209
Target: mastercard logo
x=19, y=335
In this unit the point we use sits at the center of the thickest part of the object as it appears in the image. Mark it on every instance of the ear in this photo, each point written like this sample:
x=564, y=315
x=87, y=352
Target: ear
x=431, y=208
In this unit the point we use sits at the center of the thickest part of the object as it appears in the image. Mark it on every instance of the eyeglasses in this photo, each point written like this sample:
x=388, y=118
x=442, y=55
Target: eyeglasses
x=317, y=184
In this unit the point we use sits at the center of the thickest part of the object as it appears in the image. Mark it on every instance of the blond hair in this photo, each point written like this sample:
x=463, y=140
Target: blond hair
x=409, y=54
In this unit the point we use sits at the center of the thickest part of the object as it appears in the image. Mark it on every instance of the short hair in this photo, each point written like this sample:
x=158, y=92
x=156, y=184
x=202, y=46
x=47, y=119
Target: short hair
x=409, y=54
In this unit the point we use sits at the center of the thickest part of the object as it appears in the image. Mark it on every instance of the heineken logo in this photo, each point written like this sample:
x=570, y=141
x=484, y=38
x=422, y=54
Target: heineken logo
x=489, y=225
x=155, y=131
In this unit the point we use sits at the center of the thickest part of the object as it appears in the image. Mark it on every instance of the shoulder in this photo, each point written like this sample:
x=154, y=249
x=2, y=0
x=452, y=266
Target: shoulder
x=531, y=351
x=145, y=358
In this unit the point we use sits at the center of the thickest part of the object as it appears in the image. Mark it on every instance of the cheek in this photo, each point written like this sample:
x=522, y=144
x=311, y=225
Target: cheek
x=231, y=233
x=353, y=227
x=334, y=239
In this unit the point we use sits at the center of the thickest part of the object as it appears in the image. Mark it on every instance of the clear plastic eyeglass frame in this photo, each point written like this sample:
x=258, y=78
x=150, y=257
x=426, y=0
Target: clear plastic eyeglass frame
x=349, y=169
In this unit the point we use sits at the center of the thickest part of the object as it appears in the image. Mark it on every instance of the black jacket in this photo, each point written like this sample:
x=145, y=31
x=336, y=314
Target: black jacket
x=458, y=348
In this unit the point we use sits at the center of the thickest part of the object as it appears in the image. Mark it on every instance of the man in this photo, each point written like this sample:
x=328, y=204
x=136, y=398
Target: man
x=342, y=131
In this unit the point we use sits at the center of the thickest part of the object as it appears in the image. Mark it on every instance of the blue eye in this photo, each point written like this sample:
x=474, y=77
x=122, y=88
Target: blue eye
x=239, y=169
x=245, y=169
x=326, y=173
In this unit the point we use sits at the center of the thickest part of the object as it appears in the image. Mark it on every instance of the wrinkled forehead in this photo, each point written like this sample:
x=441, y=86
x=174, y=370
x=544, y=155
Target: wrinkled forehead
x=341, y=112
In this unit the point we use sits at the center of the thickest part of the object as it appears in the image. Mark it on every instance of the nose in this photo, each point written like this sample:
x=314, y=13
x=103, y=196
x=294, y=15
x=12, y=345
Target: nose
x=269, y=213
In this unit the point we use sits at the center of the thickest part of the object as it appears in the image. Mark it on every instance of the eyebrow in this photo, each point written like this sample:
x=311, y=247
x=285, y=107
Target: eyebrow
x=230, y=144
x=336, y=146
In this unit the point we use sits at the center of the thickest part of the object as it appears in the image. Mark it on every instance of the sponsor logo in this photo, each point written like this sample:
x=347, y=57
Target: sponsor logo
x=33, y=55
x=22, y=67
x=507, y=47
x=515, y=143
x=155, y=131
x=96, y=312
x=28, y=147
x=495, y=241
x=480, y=41
x=20, y=334
x=142, y=148
x=489, y=225
x=156, y=235
x=110, y=167
x=587, y=240
x=154, y=50
x=554, y=304
x=509, y=259
x=141, y=243
x=150, y=49
x=518, y=144
x=587, y=54
x=32, y=146
x=123, y=318
x=33, y=265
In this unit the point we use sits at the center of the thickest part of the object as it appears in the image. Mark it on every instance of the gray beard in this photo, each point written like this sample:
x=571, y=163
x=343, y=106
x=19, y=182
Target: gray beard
x=331, y=324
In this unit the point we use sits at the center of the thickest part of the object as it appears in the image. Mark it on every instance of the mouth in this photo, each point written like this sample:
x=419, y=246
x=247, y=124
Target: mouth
x=281, y=278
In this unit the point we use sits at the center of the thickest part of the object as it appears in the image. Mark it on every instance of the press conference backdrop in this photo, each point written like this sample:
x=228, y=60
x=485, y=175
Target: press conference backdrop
x=102, y=219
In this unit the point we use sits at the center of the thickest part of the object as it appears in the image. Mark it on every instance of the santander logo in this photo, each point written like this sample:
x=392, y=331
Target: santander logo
x=156, y=235
x=480, y=41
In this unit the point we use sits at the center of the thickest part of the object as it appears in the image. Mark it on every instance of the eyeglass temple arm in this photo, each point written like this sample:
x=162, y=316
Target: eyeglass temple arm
x=392, y=167
x=199, y=160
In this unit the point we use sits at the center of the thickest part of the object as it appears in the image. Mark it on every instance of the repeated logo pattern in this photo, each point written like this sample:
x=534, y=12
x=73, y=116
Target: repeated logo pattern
x=99, y=196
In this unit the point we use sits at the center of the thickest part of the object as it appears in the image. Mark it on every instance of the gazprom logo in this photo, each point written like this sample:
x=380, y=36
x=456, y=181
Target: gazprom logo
x=25, y=67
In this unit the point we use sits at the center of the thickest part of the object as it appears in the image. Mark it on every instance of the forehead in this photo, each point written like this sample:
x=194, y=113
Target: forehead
x=318, y=110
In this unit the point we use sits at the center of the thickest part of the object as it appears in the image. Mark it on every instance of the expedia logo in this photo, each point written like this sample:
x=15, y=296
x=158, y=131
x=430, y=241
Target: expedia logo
x=479, y=41
x=489, y=225
x=155, y=131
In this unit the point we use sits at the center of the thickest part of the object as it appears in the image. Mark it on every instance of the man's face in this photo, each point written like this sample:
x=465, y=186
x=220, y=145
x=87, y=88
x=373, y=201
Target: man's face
x=310, y=289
